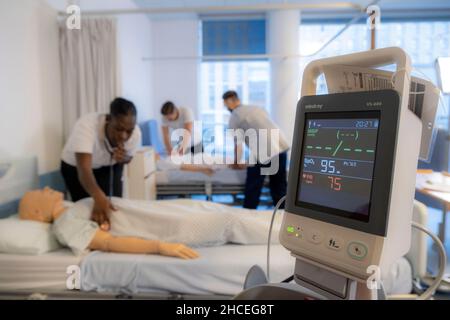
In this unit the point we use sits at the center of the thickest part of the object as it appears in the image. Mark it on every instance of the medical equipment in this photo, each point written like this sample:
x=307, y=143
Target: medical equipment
x=351, y=180
x=140, y=180
x=424, y=97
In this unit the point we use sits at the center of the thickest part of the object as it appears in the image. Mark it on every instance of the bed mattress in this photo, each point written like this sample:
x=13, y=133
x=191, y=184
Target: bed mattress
x=31, y=272
x=222, y=176
x=219, y=270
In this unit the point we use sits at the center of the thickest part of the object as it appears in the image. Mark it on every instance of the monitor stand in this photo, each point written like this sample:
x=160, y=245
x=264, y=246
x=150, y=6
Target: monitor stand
x=311, y=282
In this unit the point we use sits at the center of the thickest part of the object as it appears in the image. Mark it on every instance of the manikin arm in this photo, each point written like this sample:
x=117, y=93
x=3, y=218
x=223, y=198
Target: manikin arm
x=104, y=241
x=198, y=168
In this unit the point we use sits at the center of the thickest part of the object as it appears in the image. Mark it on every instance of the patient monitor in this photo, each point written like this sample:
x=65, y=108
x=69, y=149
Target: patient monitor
x=351, y=180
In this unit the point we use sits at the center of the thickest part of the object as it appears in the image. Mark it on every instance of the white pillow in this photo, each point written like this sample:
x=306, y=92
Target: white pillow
x=26, y=237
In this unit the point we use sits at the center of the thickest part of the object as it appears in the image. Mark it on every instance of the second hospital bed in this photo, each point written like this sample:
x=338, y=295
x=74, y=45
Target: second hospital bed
x=163, y=183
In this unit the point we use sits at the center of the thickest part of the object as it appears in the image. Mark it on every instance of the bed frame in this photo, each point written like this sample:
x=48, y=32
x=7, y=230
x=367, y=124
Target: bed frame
x=199, y=188
x=61, y=294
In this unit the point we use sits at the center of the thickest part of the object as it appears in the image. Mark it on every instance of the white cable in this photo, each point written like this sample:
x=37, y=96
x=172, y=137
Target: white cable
x=355, y=19
x=442, y=263
x=280, y=202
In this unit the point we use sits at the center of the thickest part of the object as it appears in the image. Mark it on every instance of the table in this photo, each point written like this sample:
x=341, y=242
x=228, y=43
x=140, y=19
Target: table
x=441, y=196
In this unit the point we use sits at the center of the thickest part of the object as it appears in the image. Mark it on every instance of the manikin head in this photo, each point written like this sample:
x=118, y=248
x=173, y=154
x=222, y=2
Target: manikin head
x=41, y=205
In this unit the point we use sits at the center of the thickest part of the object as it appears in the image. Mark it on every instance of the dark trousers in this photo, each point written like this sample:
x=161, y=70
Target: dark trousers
x=255, y=180
x=102, y=175
x=198, y=148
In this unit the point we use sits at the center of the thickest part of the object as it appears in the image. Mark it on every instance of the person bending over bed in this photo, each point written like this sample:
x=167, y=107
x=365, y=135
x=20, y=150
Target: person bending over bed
x=74, y=228
x=166, y=227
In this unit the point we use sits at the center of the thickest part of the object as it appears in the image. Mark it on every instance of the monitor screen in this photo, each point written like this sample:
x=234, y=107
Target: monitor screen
x=337, y=162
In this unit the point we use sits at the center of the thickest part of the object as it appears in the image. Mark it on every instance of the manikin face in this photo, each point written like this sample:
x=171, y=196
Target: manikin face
x=41, y=205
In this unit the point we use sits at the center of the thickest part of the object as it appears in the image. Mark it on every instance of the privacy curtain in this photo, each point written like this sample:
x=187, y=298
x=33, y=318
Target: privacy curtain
x=89, y=68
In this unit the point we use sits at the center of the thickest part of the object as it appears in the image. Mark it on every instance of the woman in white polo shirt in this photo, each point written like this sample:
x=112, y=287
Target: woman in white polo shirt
x=95, y=153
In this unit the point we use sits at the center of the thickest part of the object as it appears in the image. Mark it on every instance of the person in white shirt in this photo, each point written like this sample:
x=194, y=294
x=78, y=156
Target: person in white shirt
x=95, y=153
x=274, y=151
x=173, y=118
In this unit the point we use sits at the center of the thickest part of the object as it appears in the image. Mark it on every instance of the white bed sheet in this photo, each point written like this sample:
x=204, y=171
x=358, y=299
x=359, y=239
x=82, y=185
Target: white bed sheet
x=219, y=270
x=222, y=176
x=48, y=270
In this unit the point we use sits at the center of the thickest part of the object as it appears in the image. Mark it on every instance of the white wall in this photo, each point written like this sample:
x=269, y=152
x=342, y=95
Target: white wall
x=30, y=105
x=134, y=43
x=283, y=40
x=175, y=79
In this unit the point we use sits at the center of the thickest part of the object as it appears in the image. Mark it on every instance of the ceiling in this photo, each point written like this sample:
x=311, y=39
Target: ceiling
x=96, y=5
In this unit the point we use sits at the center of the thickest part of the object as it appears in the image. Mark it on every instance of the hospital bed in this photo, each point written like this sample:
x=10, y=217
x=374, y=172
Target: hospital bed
x=185, y=183
x=144, y=181
x=218, y=274
x=169, y=183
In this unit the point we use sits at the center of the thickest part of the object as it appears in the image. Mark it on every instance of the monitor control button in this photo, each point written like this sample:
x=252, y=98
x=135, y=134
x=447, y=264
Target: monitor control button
x=315, y=236
x=334, y=243
x=357, y=250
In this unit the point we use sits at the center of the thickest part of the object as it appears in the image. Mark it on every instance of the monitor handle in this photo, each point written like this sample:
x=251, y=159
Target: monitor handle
x=369, y=59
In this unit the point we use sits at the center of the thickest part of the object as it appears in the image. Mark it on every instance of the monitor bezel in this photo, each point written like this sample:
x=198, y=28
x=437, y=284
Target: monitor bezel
x=387, y=103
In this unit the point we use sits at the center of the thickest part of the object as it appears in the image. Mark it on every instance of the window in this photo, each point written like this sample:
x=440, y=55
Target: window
x=249, y=78
x=424, y=41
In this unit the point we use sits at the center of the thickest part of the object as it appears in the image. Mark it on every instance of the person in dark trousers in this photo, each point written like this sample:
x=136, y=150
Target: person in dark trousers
x=95, y=153
x=273, y=155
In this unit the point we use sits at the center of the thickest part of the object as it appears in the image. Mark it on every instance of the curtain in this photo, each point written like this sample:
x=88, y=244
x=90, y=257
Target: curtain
x=89, y=68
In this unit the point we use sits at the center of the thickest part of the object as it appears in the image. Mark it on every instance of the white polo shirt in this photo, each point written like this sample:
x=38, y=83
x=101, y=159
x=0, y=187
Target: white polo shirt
x=247, y=117
x=185, y=116
x=88, y=136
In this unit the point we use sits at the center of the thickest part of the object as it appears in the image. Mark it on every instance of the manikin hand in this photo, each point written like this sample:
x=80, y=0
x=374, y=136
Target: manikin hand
x=208, y=171
x=238, y=166
x=177, y=250
x=101, y=210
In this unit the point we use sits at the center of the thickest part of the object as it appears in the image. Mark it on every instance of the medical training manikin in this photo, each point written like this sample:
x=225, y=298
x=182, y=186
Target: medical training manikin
x=149, y=227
